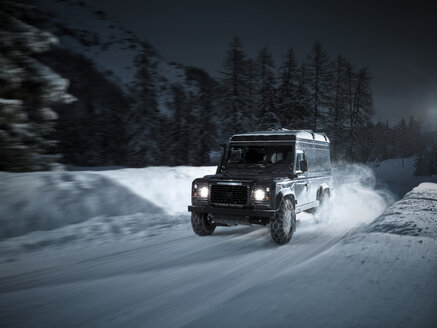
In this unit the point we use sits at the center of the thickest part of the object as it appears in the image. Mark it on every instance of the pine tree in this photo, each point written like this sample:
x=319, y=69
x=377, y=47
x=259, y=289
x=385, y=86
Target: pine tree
x=179, y=136
x=288, y=109
x=251, y=91
x=144, y=121
x=338, y=106
x=204, y=127
x=27, y=91
x=426, y=160
x=234, y=89
x=319, y=74
x=415, y=139
x=266, y=91
x=360, y=109
x=303, y=102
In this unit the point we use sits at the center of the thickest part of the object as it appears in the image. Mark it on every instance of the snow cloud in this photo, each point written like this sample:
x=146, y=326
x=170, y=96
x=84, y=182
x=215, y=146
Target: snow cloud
x=356, y=200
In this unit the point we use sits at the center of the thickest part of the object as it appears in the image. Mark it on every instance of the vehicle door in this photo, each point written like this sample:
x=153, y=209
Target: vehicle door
x=301, y=180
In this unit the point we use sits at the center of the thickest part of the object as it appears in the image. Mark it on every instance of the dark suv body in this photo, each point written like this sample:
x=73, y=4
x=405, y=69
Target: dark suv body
x=264, y=178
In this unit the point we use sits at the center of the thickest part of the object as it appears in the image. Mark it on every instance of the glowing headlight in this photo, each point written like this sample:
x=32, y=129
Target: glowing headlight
x=203, y=192
x=260, y=194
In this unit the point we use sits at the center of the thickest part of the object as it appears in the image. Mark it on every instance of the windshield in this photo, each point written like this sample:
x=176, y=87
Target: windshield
x=269, y=155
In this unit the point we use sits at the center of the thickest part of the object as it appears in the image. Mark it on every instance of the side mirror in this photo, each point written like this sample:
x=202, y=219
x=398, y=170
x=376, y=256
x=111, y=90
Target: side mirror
x=303, y=165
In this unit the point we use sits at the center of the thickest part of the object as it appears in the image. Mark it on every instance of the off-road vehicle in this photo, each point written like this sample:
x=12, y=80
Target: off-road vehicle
x=264, y=178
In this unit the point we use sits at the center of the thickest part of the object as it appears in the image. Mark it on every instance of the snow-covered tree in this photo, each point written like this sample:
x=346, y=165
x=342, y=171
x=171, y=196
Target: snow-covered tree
x=28, y=89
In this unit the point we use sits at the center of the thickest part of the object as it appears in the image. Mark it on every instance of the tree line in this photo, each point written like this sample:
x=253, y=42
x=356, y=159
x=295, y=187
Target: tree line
x=157, y=121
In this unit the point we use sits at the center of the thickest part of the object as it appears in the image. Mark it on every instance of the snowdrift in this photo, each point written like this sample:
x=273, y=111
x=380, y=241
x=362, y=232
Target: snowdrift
x=168, y=187
x=108, y=199
x=50, y=200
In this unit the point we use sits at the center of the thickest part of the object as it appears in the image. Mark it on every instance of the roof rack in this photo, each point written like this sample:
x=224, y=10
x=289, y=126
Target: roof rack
x=280, y=134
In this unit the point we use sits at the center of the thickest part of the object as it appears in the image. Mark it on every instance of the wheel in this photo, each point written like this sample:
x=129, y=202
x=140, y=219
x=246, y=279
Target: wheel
x=283, y=224
x=322, y=212
x=201, y=224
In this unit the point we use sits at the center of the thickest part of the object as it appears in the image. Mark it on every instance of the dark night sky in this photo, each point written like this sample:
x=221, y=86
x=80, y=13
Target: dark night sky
x=397, y=40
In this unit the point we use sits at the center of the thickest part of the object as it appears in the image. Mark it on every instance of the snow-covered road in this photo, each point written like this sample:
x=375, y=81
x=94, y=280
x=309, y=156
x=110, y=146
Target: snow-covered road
x=169, y=280
x=370, y=273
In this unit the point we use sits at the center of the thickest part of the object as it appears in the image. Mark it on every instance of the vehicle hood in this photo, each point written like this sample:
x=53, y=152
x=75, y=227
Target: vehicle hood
x=253, y=176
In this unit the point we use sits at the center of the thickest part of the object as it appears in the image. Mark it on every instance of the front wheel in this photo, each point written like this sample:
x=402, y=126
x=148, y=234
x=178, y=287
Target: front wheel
x=201, y=224
x=283, y=224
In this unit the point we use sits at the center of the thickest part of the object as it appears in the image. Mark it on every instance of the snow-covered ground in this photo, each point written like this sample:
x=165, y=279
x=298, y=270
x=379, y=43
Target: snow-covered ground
x=115, y=248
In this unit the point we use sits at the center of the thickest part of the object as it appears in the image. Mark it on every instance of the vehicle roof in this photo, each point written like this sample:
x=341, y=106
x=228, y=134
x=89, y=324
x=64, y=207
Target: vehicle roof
x=282, y=134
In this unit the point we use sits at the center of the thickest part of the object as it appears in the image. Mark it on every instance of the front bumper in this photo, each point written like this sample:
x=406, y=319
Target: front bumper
x=240, y=212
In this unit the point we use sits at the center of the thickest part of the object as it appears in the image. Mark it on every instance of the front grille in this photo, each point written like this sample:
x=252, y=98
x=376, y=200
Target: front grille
x=229, y=194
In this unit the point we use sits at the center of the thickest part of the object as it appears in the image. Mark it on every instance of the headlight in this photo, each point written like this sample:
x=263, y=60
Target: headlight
x=203, y=192
x=200, y=190
x=260, y=194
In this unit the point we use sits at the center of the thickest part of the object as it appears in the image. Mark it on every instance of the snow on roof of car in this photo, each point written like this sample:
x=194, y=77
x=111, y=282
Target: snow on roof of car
x=282, y=134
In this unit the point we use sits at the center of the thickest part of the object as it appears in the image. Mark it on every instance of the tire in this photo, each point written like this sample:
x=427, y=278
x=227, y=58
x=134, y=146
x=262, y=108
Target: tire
x=322, y=213
x=201, y=224
x=283, y=225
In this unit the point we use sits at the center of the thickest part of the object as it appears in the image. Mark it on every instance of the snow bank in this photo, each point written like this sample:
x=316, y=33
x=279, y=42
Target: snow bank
x=50, y=200
x=168, y=187
x=414, y=215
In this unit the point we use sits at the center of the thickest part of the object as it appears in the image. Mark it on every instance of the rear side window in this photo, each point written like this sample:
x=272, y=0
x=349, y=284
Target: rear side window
x=318, y=160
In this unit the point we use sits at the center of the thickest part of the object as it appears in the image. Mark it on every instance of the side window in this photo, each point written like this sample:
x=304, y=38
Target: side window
x=300, y=156
x=235, y=155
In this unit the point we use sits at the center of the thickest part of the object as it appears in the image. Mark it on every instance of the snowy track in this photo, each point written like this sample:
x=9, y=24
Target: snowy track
x=151, y=270
x=169, y=281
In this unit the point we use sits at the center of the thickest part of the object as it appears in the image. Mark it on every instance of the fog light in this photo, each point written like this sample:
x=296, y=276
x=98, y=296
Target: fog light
x=260, y=194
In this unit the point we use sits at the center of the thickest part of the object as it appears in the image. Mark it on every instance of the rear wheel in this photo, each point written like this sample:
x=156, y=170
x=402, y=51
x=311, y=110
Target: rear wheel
x=322, y=212
x=283, y=224
x=201, y=224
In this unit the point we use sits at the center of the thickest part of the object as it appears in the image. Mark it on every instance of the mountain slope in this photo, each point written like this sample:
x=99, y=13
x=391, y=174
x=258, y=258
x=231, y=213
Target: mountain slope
x=84, y=28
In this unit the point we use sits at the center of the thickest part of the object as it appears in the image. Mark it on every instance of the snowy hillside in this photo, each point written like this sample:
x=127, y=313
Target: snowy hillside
x=84, y=28
x=115, y=248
